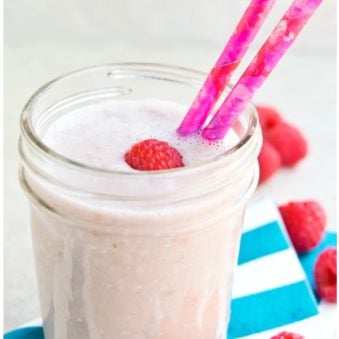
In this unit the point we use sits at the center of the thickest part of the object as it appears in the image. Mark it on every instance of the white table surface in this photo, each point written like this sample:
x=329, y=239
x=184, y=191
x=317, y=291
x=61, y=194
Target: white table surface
x=302, y=87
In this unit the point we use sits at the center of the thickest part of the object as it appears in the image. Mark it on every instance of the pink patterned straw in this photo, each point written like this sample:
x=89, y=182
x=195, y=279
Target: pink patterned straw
x=238, y=44
x=261, y=66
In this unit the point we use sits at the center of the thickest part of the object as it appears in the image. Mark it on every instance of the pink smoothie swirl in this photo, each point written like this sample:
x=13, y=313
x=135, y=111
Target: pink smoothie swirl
x=238, y=44
x=261, y=66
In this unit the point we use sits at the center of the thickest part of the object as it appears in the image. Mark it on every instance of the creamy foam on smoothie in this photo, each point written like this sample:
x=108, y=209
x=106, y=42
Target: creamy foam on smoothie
x=101, y=133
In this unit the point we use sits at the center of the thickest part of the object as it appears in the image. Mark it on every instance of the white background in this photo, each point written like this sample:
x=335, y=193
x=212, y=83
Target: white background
x=44, y=39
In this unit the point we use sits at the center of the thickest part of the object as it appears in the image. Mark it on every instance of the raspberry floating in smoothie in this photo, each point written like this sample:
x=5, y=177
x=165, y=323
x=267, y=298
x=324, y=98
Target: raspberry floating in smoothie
x=153, y=155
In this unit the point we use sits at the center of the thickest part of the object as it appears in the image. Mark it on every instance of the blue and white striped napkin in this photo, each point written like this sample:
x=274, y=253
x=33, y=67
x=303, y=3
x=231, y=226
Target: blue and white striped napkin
x=271, y=291
x=270, y=286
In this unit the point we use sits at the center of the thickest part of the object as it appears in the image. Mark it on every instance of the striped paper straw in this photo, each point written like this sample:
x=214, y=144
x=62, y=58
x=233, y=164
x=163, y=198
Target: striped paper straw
x=261, y=66
x=217, y=80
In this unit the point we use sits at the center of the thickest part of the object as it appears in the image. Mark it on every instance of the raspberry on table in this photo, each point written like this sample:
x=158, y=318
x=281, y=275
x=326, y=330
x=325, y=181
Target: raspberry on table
x=288, y=141
x=269, y=161
x=305, y=223
x=152, y=155
x=288, y=335
x=325, y=274
x=269, y=117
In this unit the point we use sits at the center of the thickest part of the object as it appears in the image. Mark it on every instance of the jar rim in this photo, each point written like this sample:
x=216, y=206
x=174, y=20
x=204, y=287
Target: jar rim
x=29, y=134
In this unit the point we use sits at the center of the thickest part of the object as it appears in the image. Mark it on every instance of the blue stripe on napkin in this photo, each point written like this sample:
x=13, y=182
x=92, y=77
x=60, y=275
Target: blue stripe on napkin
x=26, y=333
x=261, y=241
x=254, y=313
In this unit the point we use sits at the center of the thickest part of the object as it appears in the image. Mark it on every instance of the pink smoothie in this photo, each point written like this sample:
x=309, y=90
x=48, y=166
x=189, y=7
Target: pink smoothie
x=152, y=256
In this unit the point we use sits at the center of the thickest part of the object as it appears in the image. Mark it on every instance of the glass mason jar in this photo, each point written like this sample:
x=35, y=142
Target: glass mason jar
x=133, y=255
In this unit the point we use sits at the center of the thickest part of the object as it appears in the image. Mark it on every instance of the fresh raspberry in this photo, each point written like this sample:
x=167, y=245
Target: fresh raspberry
x=288, y=335
x=325, y=274
x=269, y=117
x=152, y=155
x=305, y=223
x=269, y=161
x=288, y=141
